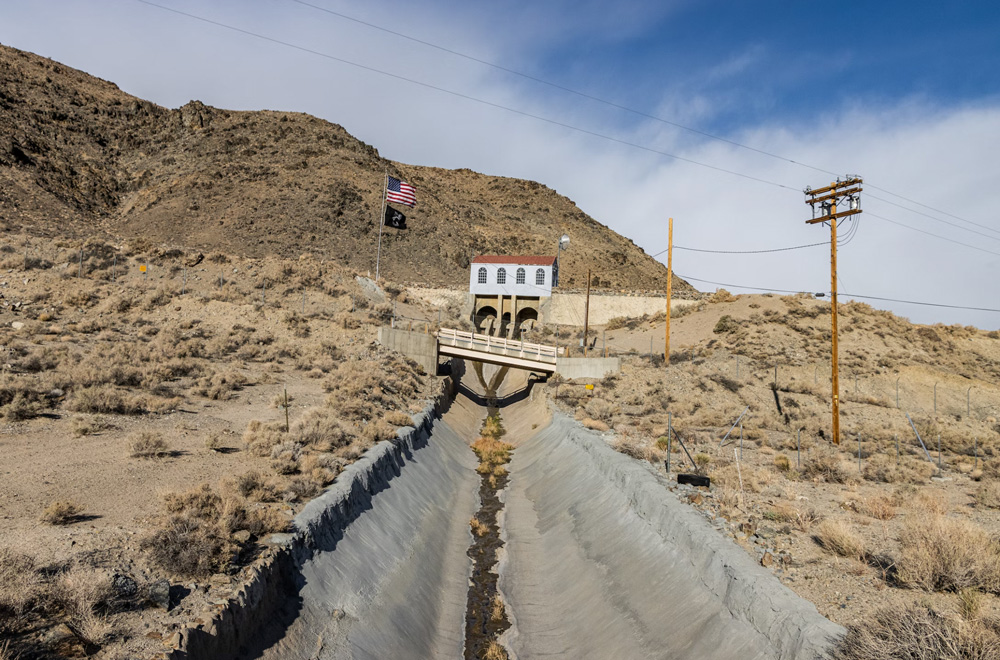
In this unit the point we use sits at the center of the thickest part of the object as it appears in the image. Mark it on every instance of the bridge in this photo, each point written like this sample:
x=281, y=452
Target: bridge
x=426, y=349
x=496, y=350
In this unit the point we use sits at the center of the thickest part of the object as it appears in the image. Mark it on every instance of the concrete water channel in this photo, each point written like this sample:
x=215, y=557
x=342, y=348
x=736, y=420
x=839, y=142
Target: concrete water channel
x=599, y=559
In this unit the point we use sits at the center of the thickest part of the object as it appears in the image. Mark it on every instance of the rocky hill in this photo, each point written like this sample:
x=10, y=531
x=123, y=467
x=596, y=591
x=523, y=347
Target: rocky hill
x=80, y=157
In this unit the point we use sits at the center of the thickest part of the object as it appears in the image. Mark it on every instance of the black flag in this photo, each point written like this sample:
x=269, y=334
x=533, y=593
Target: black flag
x=394, y=218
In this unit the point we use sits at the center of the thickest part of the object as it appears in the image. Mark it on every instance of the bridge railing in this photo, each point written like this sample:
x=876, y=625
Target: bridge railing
x=497, y=345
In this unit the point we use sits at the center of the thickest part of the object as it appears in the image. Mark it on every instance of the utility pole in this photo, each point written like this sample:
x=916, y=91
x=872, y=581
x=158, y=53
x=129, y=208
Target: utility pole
x=827, y=197
x=670, y=281
x=586, y=315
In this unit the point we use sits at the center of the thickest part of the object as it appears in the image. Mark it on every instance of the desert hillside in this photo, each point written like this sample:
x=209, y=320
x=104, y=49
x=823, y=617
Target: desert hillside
x=81, y=157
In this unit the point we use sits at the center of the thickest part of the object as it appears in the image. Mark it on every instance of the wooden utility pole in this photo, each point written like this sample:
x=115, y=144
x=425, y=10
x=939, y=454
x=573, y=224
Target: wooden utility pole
x=670, y=281
x=828, y=198
x=586, y=315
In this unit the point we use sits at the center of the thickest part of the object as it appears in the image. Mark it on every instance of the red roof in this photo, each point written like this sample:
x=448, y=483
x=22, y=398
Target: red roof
x=520, y=260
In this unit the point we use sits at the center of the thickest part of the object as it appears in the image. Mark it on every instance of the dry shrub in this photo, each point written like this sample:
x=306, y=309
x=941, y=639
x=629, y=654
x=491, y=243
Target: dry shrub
x=918, y=632
x=601, y=410
x=987, y=495
x=970, y=603
x=638, y=449
x=220, y=385
x=826, y=467
x=495, y=652
x=930, y=501
x=82, y=591
x=837, y=537
x=991, y=468
x=479, y=528
x=107, y=399
x=20, y=586
x=198, y=538
x=942, y=554
x=322, y=469
x=595, y=425
x=883, y=469
x=365, y=389
x=61, y=512
x=782, y=463
x=21, y=407
x=879, y=507
x=398, y=418
x=285, y=457
x=497, y=609
x=300, y=489
x=803, y=518
x=754, y=479
x=261, y=437
x=721, y=296
x=321, y=429
x=255, y=487
x=147, y=444
x=377, y=432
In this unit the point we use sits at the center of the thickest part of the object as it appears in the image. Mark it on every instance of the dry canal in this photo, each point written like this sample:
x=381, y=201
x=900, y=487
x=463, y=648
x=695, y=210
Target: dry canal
x=598, y=560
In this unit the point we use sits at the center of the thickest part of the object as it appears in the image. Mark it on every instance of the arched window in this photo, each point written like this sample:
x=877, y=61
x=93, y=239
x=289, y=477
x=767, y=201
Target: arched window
x=502, y=276
x=540, y=276
x=482, y=276
x=520, y=276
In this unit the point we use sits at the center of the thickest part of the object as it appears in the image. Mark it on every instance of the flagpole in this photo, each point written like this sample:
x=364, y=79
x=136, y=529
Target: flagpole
x=381, y=223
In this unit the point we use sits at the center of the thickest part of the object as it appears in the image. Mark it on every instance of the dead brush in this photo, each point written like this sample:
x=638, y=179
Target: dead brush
x=321, y=430
x=826, y=467
x=148, y=444
x=261, y=437
x=219, y=386
x=913, y=631
x=837, y=537
x=882, y=469
x=21, y=588
x=285, y=457
x=495, y=652
x=479, y=528
x=107, y=399
x=987, y=495
x=943, y=554
x=61, y=512
x=879, y=507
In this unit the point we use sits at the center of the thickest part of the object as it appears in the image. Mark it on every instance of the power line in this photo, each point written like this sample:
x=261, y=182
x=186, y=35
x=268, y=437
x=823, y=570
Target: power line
x=943, y=238
x=466, y=97
x=852, y=295
x=782, y=249
x=926, y=215
x=633, y=111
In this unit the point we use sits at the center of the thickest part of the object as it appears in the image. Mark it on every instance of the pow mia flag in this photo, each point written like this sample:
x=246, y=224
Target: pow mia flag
x=394, y=218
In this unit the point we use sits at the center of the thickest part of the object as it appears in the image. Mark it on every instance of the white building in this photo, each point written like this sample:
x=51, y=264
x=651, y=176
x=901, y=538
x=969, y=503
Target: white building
x=510, y=293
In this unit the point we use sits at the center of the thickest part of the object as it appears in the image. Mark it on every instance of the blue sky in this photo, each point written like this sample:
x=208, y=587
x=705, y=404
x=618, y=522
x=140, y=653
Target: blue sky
x=906, y=94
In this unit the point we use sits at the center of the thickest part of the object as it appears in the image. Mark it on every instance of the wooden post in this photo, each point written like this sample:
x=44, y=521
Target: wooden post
x=670, y=278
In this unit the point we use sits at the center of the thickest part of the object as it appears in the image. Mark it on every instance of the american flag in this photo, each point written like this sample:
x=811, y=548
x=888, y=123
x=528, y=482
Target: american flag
x=400, y=192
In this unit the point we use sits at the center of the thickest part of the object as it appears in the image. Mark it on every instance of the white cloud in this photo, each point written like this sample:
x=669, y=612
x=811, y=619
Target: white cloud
x=942, y=156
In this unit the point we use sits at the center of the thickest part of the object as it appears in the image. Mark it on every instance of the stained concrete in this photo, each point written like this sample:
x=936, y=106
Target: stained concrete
x=602, y=561
x=394, y=583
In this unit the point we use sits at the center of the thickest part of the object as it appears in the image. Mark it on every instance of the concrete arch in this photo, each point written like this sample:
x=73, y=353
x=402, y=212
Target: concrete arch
x=527, y=318
x=485, y=319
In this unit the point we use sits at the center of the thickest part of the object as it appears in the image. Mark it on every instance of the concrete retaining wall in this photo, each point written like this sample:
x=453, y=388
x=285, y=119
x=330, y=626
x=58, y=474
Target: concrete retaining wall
x=420, y=347
x=596, y=533
x=246, y=623
x=567, y=308
x=569, y=367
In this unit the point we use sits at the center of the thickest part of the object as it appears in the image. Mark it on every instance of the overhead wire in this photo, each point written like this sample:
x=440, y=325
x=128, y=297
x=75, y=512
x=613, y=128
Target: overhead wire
x=634, y=111
x=850, y=295
x=466, y=97
x=571, y=127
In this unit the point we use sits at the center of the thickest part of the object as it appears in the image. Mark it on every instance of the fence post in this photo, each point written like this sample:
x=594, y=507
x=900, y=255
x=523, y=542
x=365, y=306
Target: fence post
x=939, y=452
x=668, y=443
